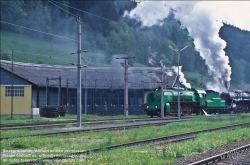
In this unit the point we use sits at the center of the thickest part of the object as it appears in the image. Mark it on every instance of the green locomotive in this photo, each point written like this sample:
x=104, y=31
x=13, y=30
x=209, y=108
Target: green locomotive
x=192, y=101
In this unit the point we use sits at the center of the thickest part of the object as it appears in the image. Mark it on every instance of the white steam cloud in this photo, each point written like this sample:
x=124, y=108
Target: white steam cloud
x=183, y=81
x=203, y=19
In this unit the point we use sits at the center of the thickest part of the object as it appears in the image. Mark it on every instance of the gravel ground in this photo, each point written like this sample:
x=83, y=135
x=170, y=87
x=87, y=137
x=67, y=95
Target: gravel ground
x=243, y=159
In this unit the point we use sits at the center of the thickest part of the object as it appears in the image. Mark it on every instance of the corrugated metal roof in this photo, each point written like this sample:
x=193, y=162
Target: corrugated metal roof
x=99, y=77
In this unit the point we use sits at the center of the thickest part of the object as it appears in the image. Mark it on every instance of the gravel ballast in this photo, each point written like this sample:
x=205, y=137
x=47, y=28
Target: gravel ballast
x=240, y=159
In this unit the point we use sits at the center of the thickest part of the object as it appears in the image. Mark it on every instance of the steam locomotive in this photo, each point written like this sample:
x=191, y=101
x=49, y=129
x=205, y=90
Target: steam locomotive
x=194, y=101
x=237, y=101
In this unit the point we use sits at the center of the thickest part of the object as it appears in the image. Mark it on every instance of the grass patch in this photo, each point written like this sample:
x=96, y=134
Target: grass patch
x=157, y=155
x=194, y=124
x=39, y=50
x=90, y=140
x=122, y=122
x=169, y=153
x=28, y=119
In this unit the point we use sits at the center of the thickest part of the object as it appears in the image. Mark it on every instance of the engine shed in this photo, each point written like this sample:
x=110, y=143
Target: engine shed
x=57, y=85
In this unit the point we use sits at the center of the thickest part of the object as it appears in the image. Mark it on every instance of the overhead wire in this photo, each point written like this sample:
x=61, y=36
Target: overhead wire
x=30, y=73
x=86, y=24
x=87, y=13
x=38, y=31
x=62, y=9
x=32, y=46
x=49, y=56
x=84, y=11
x=66, y=37
x=67, y=77
x=59, y=58
x=62, y=37
x=42, y=77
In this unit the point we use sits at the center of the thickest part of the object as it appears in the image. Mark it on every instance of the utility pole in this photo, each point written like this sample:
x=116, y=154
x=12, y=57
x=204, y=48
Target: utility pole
x=12, y=90
x=47, y=91
x=125, y=84
x=95, y=96
x=79, y=82
x=178, y=77
x=162, y=100
x=59, y=91
x=67, y=91
x=85, y=97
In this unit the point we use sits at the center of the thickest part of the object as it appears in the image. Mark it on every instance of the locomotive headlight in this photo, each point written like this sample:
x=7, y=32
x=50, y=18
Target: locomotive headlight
x=156, y=106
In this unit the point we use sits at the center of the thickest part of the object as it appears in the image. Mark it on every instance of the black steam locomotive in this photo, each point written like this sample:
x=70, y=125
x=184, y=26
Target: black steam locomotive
x=237, y=101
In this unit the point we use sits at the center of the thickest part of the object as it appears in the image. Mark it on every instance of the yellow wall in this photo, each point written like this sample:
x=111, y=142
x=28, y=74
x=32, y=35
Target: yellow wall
x=21, y=105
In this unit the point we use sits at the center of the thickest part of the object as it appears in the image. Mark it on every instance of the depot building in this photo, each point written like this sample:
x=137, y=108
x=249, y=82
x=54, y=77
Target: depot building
x=39, y=85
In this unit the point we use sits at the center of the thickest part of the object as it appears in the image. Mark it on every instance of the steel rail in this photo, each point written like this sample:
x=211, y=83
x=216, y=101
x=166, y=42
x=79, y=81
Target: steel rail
x=114, y=128
x=90, y=122
x=161, y=140
x=85, y=121
x=4, y=126
x=221, y=156
x=124, y=126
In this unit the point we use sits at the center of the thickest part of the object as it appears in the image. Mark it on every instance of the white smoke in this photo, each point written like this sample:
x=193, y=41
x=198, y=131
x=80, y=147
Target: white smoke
x=151, y=60
x=169, y=73
x=183, y=81
x=216, y=86
x=203, y=19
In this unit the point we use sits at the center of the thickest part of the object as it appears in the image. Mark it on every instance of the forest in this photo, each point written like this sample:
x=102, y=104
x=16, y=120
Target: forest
x=107, y=32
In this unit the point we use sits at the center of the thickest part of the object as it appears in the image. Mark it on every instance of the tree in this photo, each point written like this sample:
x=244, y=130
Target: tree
x=5, y=56
x=38, y=17
x=12, y=11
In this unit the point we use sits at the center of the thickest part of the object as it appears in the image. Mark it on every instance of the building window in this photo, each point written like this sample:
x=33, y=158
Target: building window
x=18, y=91
x=131, y=101
x=140, y=101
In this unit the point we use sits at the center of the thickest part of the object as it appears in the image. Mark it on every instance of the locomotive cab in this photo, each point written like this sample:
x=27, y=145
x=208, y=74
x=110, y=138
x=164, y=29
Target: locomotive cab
x=153, y=103
x=214, y=104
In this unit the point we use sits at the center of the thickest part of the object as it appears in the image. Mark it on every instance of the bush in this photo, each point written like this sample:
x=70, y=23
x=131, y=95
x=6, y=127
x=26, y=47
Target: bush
x=5, y=56
x=19, y=144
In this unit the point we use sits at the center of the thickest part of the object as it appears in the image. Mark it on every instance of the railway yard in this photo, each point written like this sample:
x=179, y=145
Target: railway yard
x=218, y=139
x=124, y=82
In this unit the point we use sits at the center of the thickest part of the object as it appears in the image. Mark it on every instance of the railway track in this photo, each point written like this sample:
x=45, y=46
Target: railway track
x=9, y=125
x=161, y=140
x=229, y=157
x=42, y=124
x=68, y=122
x=100, y=128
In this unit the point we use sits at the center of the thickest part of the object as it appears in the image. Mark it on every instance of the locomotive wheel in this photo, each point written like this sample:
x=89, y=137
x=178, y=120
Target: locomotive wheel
x=245, y=108
x=190, y=109
x=239, y=107
x=184, y=109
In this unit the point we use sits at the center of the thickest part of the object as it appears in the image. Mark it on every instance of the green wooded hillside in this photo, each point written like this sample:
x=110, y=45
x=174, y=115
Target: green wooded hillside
x=107, y=37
